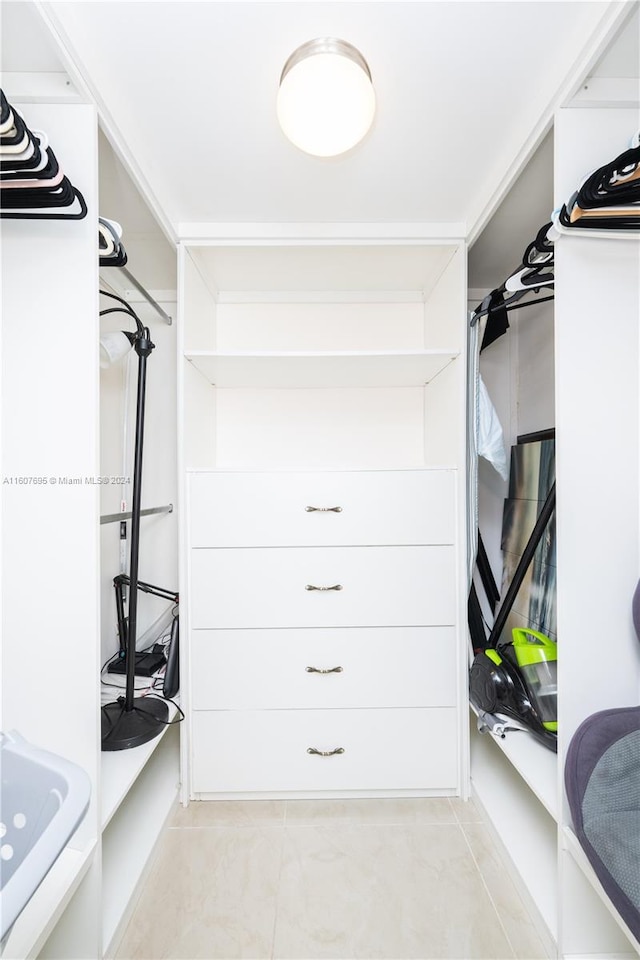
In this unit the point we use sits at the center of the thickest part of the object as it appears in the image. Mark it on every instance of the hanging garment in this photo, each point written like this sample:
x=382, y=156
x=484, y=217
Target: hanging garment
x=490, y=442
x=497, y=320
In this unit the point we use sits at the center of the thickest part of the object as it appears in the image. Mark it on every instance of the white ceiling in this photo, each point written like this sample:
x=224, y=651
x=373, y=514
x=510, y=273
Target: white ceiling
x=190, y=89
x=191, y=86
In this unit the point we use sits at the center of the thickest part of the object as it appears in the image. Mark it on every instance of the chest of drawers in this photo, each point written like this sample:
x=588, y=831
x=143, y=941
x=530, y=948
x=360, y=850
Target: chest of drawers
x=323, y=654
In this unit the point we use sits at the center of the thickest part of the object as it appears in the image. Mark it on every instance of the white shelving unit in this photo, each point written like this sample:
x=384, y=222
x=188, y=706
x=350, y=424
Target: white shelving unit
x=519, y=783
x=121, y=769
x=50, y=275
x=598, y=480
x=521, y=824
x=130, y=831
x=350, y=360
x=50, y=648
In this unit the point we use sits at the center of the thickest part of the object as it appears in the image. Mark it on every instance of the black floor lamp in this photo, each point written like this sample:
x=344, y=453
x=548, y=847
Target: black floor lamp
x=131, y=721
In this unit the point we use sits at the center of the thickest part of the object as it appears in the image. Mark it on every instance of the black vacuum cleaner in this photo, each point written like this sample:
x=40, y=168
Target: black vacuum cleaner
x=516, y=678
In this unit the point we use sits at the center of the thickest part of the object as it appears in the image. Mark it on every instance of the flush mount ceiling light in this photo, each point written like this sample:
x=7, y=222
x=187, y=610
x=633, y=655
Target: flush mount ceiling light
x=326, y=100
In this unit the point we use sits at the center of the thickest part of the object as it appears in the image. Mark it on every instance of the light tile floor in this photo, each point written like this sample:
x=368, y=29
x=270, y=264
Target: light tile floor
x=336, y=879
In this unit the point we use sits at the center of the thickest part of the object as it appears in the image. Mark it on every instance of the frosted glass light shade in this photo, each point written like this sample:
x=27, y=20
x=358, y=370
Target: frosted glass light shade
x=113, y=347
x=326, y=102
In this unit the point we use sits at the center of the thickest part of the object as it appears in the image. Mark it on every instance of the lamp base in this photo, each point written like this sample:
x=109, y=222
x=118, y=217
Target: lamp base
x=122, y=729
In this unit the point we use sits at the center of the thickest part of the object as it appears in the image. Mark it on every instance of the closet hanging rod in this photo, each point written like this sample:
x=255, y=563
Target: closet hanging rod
x=156, y=306
x=113, y=517
x=479, y=312
x=521, y=306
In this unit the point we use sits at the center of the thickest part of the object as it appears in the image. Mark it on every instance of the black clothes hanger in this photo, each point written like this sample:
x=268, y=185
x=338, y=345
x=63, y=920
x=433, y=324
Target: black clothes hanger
x=612, y=184
x=35, y=158
x=535, y=272
x=5, y=109
x=61, y=195
x=12, y=211
x=29, y=160
x=112, y=252
x=530, y=278
x=616, y=222
x=540, y=250
x=49, y=170
x=119, y=259
x=32, y=184
x=16, y=134
x=609, y=198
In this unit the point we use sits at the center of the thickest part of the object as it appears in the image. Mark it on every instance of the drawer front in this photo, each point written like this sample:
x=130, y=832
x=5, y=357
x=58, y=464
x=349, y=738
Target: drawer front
x=339, y=668
x=253, y=751
x=375, y=507
x=270, y=587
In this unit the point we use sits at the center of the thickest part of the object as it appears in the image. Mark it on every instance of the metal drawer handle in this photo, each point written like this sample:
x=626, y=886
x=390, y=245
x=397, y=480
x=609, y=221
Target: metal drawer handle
x=325, y=753
x=336, y=586
x=320, y=670
x=323, y=509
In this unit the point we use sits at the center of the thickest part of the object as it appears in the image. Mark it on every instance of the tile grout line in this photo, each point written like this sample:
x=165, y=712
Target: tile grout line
x=277, y=904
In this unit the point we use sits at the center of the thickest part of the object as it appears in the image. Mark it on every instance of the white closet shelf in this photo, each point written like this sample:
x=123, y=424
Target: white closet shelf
x=524, y=826
x=407, y=368
x=573, y=846
x=47, y=904
x=537, y=766
x=121, y=768
x=593, y=233
x=149, y=803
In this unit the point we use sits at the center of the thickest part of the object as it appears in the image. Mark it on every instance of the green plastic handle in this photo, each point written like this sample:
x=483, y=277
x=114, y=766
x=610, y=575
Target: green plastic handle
x=519, y=635
x=527, y=652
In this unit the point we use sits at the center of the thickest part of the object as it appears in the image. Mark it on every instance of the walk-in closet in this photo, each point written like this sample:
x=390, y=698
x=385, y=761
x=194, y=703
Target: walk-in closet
x=320, y=476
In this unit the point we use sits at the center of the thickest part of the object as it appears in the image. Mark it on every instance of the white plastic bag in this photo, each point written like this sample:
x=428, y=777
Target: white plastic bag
x=490, y=439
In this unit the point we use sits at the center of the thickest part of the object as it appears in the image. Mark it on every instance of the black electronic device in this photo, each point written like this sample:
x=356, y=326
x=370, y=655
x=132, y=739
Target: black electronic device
x=146, y=664
x=171, y=683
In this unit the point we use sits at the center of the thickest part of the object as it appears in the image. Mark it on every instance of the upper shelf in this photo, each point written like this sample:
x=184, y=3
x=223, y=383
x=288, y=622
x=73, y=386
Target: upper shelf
x=407, y=368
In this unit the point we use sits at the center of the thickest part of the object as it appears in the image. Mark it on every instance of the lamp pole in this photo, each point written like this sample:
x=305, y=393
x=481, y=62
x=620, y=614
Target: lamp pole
x=143, y=347
x=130, y=721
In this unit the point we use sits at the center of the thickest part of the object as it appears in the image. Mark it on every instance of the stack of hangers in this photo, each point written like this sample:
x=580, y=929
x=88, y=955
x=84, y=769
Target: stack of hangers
x=112, y=252
x=32, y=184
x=535, y=271
x=537, y=265
x=609, y=199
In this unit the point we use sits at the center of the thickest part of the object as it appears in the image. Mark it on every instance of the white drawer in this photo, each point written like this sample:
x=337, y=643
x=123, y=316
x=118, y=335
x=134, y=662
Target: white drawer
x=379, y=586
x=376, y=667
x=258, y=751
x=270, y=509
